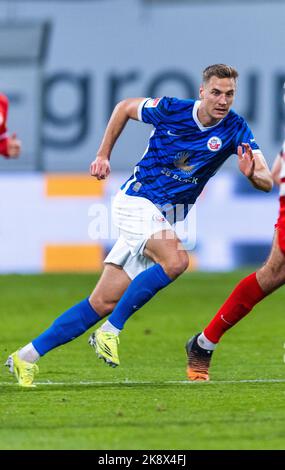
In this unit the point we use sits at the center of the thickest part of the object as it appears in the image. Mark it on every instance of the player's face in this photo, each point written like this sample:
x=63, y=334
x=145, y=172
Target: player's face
x=217, y=97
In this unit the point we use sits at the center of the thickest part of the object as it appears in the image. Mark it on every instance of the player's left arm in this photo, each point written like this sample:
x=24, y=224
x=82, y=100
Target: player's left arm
x=253, y=165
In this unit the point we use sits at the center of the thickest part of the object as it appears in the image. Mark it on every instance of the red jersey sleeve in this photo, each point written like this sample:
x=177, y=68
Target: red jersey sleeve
x=3, y=125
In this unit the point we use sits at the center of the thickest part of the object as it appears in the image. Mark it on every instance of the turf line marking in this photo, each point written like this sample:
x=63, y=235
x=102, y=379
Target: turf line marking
x=167, y=382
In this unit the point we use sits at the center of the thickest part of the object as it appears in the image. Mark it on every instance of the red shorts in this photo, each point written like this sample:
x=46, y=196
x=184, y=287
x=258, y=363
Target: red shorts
x=280, y=225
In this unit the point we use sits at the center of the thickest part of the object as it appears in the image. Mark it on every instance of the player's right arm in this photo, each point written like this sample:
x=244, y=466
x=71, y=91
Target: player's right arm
x=125, y=110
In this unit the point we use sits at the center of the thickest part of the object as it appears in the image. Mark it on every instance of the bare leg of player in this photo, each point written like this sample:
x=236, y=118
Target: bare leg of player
x=170, y=260
x=272, y=274
x=244, y=297
x=69, y=325
x=167, y=250
x=109, y=289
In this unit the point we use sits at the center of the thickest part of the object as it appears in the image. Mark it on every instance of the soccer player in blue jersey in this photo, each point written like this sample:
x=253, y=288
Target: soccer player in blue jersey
x=191, y=139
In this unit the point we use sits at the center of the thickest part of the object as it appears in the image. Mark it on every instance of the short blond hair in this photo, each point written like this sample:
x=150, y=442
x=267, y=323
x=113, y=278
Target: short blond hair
x=220, y=71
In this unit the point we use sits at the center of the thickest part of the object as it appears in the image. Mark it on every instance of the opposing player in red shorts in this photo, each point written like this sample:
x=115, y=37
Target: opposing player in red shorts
x=250, y=290
x=10, y=145
x=278, y=174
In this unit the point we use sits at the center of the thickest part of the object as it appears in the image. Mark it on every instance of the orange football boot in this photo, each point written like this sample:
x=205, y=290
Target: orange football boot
x=198, y=360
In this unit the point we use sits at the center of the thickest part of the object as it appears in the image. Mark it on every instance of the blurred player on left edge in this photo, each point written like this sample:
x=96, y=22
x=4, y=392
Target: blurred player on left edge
x=10, y=145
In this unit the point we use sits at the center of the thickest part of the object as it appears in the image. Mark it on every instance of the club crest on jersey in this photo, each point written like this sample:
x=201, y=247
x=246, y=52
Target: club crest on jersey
x=181, y=162
x=152, y=103
x=214, y=144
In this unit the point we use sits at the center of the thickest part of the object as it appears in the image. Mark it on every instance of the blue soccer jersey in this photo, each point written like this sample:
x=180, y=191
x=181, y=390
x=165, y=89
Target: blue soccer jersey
x=182, y=154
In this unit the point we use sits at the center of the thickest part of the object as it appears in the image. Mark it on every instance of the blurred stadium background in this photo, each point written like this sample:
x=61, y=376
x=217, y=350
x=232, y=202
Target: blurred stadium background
x=65, y=63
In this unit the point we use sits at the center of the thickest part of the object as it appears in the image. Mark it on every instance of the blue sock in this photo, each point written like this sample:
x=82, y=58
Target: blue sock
x=140, y=291
x=72, y=323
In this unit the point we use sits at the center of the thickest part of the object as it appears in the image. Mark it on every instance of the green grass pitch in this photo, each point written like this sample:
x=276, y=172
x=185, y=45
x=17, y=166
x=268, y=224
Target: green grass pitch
x=145, y=403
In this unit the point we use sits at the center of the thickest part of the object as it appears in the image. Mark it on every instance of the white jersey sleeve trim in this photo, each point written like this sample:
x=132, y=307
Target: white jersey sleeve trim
x=140, y=107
